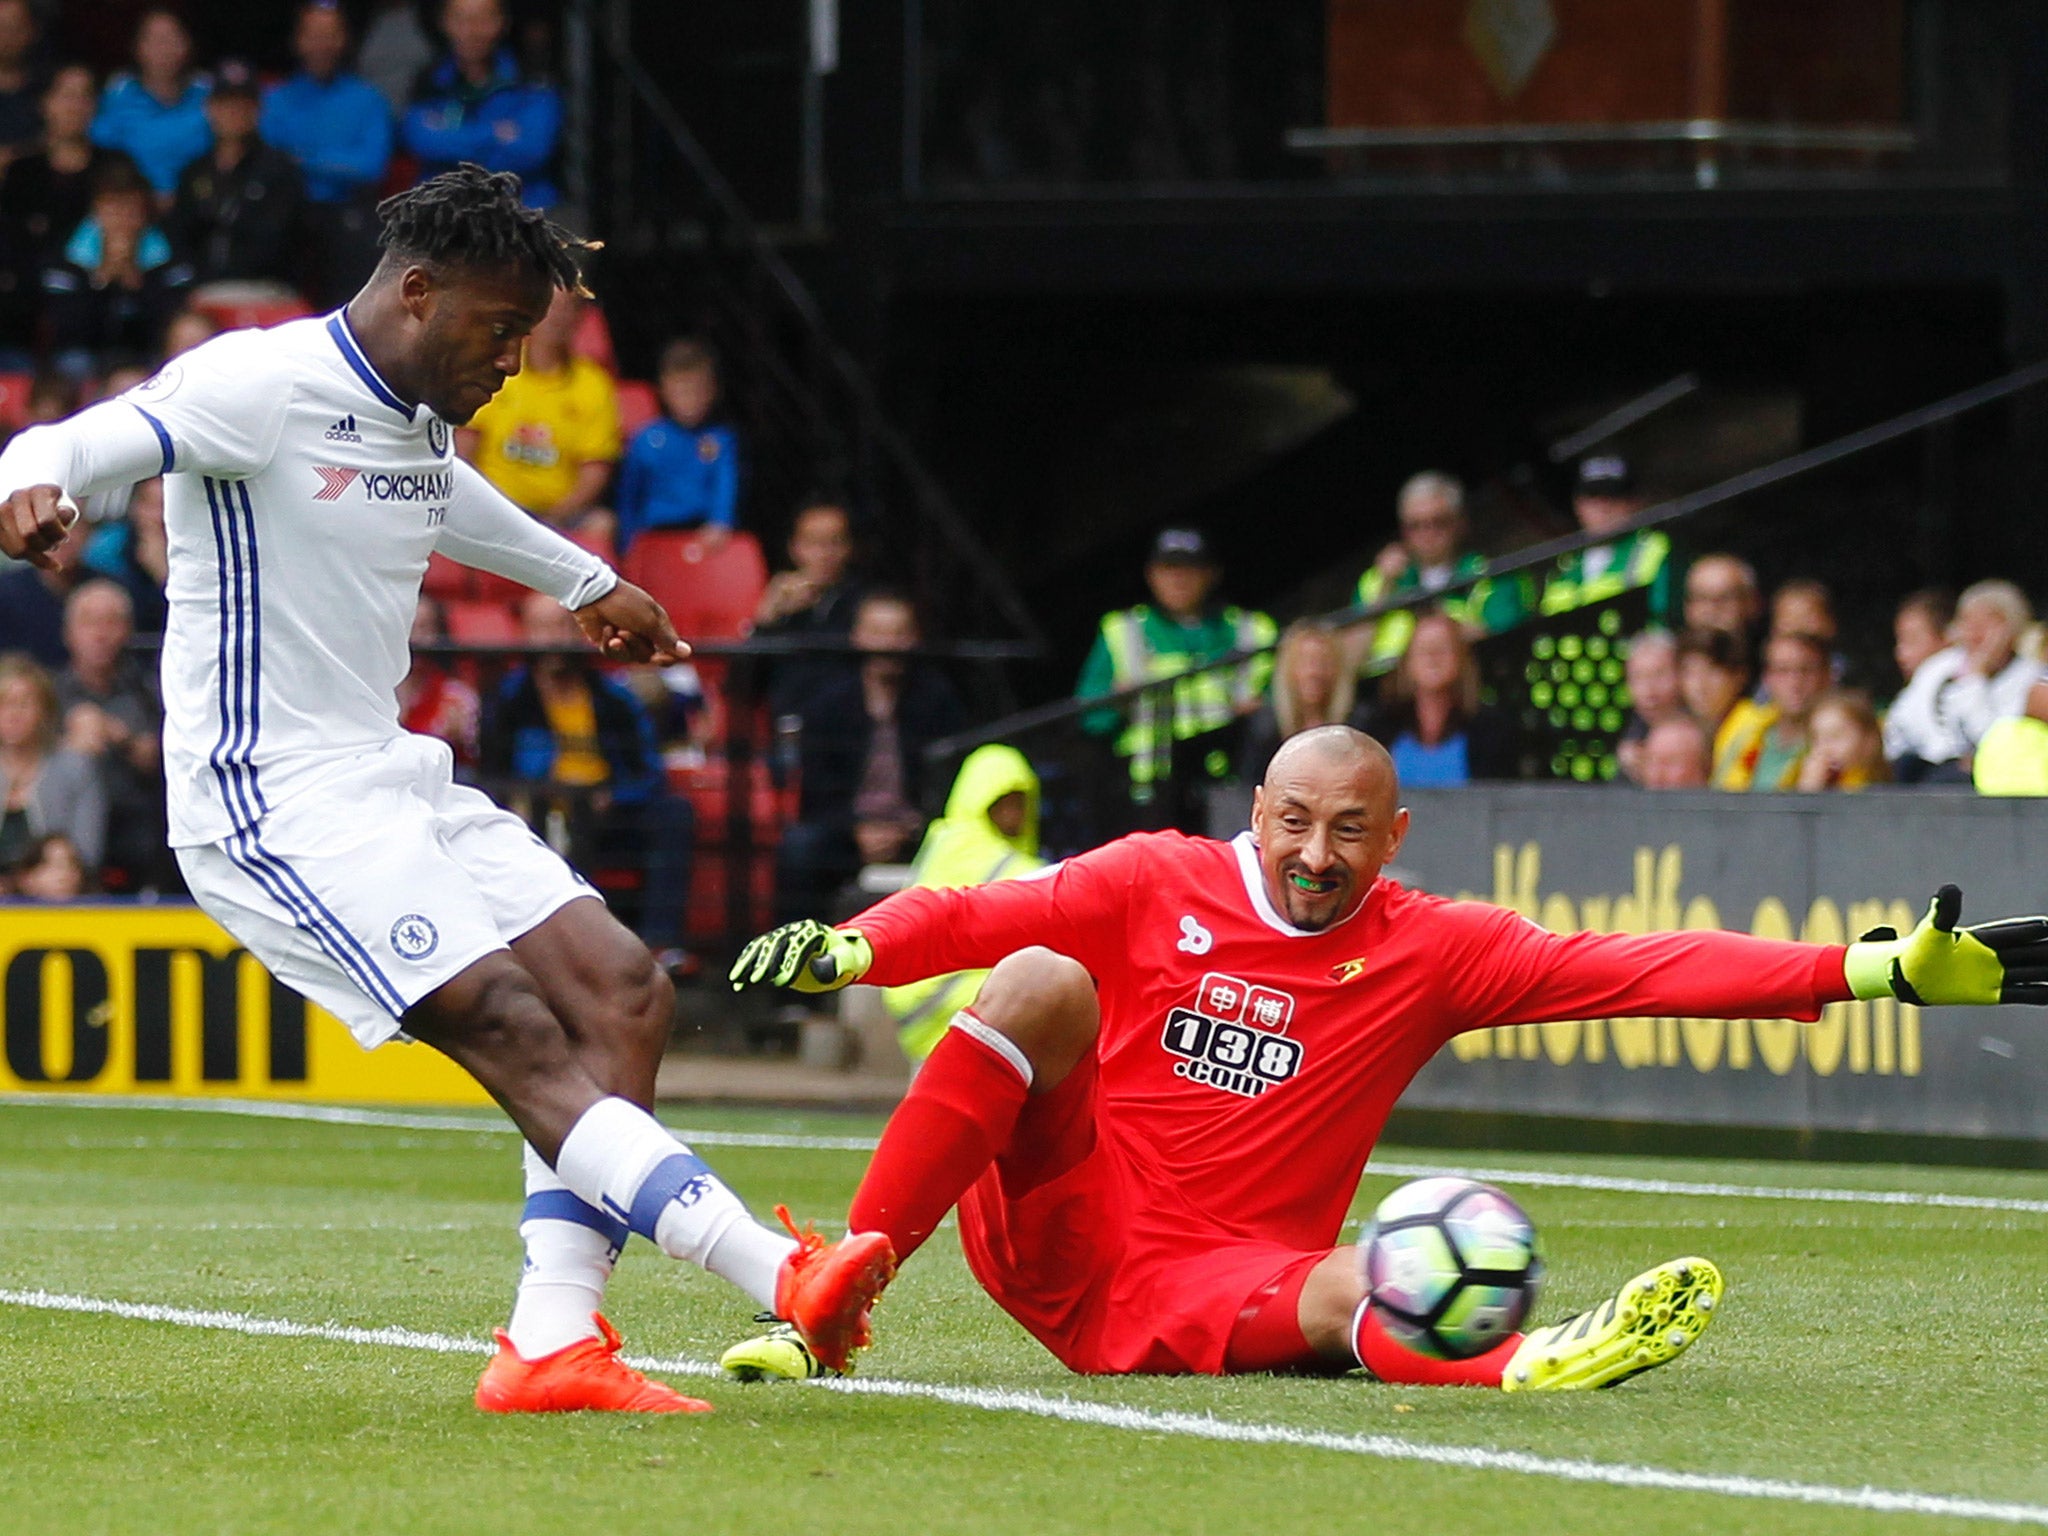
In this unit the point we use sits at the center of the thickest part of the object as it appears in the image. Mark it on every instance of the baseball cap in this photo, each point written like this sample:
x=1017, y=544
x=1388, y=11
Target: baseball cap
x=236, y=77
x=1605, y=474
x=1181, y=546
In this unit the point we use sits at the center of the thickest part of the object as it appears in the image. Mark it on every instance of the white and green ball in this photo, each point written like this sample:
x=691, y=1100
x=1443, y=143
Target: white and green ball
x=1450, y=1265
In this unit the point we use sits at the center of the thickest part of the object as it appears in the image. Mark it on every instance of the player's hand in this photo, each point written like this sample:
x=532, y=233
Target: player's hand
x=628, y=625
x=1939, y=963
x=33, y=522
x=808, y=956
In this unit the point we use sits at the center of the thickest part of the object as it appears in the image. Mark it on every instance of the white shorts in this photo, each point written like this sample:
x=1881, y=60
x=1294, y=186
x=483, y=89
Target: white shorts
x=388, y=879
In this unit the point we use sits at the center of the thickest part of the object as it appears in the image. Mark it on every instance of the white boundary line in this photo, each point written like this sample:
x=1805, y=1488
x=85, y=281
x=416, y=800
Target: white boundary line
x=1138, y=1420
x=1543, y=1178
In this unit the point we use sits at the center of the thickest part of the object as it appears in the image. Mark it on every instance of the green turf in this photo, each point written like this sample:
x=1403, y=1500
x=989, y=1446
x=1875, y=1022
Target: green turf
x=1894, y=1347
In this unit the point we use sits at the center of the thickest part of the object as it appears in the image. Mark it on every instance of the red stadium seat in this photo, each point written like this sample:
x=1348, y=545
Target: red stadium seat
x=237, y=306
x=599, y=544
x=14, y=392
x=639, y=404
x=448, y=580
x=710, y=594
x=706, y=918
x=593, y=339
x=768, y=808
x=477, y=621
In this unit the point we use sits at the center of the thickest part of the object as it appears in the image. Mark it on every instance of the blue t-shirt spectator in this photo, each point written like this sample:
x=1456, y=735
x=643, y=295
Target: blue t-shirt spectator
x=675, y=476
x=161, y=139
x=508, y=123
x=338, y=129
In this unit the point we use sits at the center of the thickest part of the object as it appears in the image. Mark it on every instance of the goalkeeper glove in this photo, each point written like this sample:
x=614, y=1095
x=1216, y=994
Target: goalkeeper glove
x=808, y=956
x=1939, y=963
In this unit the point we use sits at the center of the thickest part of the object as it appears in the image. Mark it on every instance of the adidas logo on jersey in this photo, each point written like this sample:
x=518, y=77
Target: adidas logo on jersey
x=344, y=430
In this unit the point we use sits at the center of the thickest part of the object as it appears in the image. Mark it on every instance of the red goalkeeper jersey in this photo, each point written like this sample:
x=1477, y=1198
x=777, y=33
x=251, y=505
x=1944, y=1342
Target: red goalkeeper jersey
x=1256, y=1062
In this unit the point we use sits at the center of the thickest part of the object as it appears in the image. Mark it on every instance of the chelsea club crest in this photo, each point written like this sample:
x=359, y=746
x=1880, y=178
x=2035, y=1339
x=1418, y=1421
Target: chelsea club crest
x=437, y=436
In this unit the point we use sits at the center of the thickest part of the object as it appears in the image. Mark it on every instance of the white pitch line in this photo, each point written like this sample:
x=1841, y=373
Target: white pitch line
x=410, y=1120
x=1133, y=1420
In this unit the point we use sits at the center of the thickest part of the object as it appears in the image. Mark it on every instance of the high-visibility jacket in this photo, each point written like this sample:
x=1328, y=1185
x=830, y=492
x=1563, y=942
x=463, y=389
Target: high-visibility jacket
x=1635, y=560
x=1490, y=607
x=963, y=847
x=1142, y=646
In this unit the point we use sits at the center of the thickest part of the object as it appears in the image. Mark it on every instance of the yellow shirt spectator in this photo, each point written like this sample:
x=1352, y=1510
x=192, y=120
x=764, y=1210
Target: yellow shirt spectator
x=543, y=427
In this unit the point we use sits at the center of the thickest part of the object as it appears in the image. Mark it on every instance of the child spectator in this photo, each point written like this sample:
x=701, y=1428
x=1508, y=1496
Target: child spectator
x=549, y=438
x=1432, y=723
x=1920, y=627
x=118, y=283
x=158, y=113
x=1653, y=696
x=236, y=214
x=337, y=126
x=475, y=105
x=1847, y=750
x=1713, y=673
x=682, y=471
x=52, y=870
x=43, y=788
x=1763, y=745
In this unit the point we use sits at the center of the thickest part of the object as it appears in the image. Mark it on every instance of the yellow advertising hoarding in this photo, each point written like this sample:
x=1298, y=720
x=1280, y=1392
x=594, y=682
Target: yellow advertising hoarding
x=160, y=1000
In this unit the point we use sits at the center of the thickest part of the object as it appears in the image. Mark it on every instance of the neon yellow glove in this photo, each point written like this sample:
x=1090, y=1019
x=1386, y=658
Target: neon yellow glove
x=808, y=956
x=1938, y=963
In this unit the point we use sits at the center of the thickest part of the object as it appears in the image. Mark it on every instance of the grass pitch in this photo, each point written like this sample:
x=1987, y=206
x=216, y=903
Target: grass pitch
x=1890, y=1347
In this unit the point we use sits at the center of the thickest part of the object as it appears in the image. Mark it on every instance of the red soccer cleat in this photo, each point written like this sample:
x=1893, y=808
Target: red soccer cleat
x=587, y=1374
x=825, y=1289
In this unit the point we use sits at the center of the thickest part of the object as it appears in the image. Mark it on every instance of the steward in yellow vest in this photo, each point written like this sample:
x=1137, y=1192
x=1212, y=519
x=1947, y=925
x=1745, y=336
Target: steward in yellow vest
x=1431, y=509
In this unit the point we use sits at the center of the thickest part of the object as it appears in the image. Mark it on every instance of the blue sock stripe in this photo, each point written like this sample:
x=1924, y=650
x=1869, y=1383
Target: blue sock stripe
x=561, y=1205
x=671, y=1177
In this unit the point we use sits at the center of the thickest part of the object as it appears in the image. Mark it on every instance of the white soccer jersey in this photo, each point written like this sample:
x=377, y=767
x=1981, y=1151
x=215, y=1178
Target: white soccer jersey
x=302, y=499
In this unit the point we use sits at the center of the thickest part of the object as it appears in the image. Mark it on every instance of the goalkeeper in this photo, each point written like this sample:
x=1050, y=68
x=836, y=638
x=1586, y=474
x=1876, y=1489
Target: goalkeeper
x=1155, y=1112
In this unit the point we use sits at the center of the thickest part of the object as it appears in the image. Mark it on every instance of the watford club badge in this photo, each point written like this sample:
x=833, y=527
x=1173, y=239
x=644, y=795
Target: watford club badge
x=1347, y=970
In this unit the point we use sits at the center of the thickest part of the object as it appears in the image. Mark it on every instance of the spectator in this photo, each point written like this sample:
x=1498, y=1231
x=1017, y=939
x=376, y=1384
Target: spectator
x=1427, y=557
x=47, y=193
x=337, y=126
x=1677, y=754
x=1934, y=726
x=588, y=773
x=1713, y=674
x=550, y=437
x=118, y=284
x=20, y=88
x=32, y=601
x=814, y=600
x=864, y=735
x=1653, y=696
x=1605, y=499
x=112, y=718
x=51, y=397
x=1721, y=592
x=1181, y=631
x=1763, y=744
x=1847, y=751
x=157, y=114
x=395, y=51
x=682, y=471
x=989, y=833
x=52, y=871
x=236, y=214
x=474, y=104
x=127, y=545
x=1920, y=627
x=1432, y=722
x=1311, y=686
x=43, y=788
x=432, y=701
x=1804, y=606
x=186, y=330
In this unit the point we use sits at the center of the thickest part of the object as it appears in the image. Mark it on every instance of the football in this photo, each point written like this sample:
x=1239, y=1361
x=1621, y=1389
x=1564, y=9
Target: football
x=1451, y=1265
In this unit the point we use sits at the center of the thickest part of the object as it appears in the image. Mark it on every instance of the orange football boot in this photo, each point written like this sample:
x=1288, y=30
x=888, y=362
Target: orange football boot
x=586, y=1374
x=824, y=1289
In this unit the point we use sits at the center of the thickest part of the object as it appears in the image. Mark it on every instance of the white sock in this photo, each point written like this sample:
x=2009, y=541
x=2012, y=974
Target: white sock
x=570, y=1249
x=618, y=1158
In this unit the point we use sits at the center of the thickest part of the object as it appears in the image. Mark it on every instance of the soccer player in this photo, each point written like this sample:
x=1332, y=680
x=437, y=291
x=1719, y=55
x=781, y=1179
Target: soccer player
x=308, y=477
x=1155, y=1113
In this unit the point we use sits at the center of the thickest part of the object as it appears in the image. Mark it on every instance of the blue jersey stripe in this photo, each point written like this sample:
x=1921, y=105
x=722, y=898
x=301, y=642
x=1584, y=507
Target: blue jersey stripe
x=241, y=488
x=345, y=342
x=163, y=439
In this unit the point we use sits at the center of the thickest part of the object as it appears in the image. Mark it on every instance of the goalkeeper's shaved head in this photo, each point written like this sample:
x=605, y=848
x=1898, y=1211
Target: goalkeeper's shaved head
x=1327, y=818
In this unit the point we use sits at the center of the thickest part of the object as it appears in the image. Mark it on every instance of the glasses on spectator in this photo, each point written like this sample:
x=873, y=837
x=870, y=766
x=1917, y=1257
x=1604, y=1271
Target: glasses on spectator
x=1431, y=520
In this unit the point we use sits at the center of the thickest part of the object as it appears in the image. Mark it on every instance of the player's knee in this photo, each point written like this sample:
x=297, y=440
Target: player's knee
x=646, y=1004
x=1040, y=998
x=508, y=1032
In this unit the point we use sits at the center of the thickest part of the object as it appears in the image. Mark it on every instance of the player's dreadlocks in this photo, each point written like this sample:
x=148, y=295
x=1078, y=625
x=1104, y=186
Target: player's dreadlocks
x=471, y=217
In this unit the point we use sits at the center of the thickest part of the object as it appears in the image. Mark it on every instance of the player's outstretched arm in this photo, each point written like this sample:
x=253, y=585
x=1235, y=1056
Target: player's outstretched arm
x=628, y=625
x=1938, y=963
x=808, y=956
